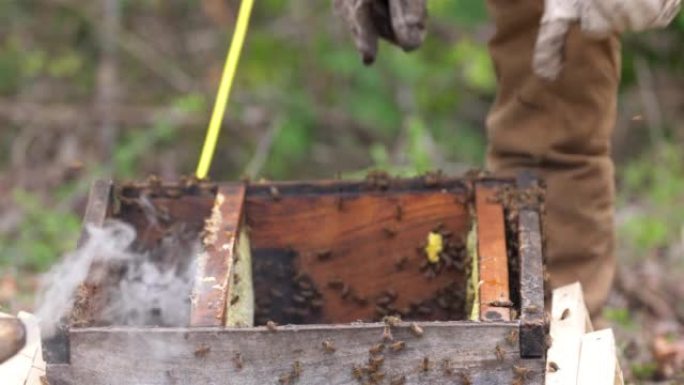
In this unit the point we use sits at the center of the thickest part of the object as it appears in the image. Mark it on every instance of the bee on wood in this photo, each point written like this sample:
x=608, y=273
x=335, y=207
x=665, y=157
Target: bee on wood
x=272, y=326
x=390, y=232
x=465, y=378
x=324, y=255
x=336, y=284
x=416, y=330
x=506, y=304
x=565, y=315
x=532, y=309
x=553, y=367
x=398, y=346
x=398, y=380
x=377, y=377
x=512, y=337
x=357, y=372
x=521, y=374
x=392, y=321
x=360, y=300
x=298, y=299
x=237, y=361
x=376, y=349
x=296, y=369
x=398, y=212
x=275, y=193
x=425, y=364
x=328, y=346
x=401, y=263
x=202, y=351
x=375, y=362
x=234, y=299
x=446, y=367
x=316, y=304
x=346, y=290
x=236, y=279
x=500, y=353
x=387, y=334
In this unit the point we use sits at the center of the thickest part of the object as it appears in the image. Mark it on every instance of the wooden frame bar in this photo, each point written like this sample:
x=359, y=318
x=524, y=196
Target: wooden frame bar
x=532, y=319
x=444, y=354
x=212, y=285
x=495, y=300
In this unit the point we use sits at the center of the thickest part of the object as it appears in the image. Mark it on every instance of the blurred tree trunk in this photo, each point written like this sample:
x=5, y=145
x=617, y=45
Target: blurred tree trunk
x=108, y=78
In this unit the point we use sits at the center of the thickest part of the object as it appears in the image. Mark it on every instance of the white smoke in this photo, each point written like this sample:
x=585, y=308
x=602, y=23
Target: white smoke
x=145, y=287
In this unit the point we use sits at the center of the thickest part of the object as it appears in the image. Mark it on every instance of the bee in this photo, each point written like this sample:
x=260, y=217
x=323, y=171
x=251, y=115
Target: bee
x=512, y=337
x=285, y=379
x=532, y=309
x=360, y=300
x=237, y=361
x=298, y=299
x=392, y=320
x=357, y=372
x=387, y=334
x=553, y=367
x=272, y=326
x=336, y=284
x=398, y=212
x=202, y=351
x=416, y=330
x=346, y=290
x=296, y=369
x=275, y=193
x=521, y=374
x=398, y=380
x=500, y=353
x=328, y=346
x=400, y=265
x=376, y=349
x=235, y=299
x=398, y=346
x=236, y=279
x=465, y=378
x=392, y=294
x=390, y=232
x=375, y=362
x=425, y=364
x=446, y=367
x=565, y=315
x=339, y=202
x=377, y=377
x=324, y=255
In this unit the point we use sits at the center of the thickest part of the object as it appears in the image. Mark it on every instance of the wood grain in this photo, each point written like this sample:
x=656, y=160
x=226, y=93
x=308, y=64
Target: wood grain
x=493, y=258
x=211, y=291
x=365, y=237
x=207, y=356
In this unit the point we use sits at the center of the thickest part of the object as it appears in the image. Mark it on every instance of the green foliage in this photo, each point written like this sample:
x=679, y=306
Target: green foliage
x=654, y=183
x=620, y=317
x=42, y=236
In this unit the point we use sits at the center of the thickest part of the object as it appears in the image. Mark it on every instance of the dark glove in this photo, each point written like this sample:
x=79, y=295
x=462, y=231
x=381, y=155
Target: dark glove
x=401, y=22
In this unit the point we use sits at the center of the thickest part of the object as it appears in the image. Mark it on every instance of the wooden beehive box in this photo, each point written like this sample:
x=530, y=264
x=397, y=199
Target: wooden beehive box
x=329, y=261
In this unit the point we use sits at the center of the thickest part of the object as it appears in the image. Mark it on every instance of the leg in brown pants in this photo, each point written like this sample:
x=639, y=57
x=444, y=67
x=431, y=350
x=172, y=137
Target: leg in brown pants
x=561, y=130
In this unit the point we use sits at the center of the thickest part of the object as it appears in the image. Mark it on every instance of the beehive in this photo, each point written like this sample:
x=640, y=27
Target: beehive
x=342, y=288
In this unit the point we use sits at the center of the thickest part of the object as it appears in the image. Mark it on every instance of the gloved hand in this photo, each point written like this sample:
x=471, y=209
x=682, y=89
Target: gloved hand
x=597, y=18
x=401, y=22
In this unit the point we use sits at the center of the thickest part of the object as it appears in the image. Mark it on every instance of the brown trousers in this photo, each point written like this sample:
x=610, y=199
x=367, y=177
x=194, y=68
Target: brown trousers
x=562, y=131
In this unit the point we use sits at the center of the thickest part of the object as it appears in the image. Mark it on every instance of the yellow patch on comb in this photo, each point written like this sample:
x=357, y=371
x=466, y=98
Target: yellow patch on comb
x=435, y=245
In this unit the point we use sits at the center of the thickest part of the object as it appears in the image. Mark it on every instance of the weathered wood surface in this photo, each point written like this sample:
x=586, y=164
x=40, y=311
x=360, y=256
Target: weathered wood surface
x=532, y=327
x=495, y=300
x=569, y=323
x=598, y=364
x=56, y=348
x=211, y=291
x=210, y=356
x=361, y=240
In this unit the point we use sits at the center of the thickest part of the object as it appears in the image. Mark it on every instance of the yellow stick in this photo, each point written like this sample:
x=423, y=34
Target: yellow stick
x=224, y=89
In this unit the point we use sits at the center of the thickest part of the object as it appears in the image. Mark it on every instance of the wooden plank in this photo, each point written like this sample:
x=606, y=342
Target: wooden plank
x=211, y=292
x=495, y=301
x=361, y=240
x=97, y=206
x=598, y=361
x=568, y=326
x=260, y=357
x=532, y=319
x=56, y=348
